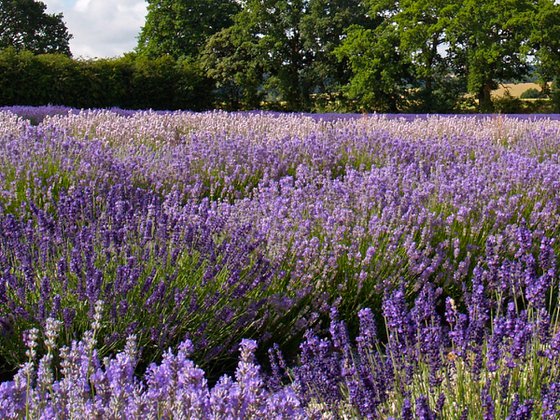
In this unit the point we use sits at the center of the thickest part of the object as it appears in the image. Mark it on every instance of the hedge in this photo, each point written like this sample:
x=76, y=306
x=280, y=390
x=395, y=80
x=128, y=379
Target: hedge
x=129, y=82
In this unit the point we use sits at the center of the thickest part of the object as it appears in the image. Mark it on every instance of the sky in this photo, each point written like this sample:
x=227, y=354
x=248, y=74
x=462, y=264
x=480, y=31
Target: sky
x=101, y=28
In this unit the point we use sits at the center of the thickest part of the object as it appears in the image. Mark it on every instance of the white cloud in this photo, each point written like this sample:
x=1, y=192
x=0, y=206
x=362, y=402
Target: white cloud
x=101, y=28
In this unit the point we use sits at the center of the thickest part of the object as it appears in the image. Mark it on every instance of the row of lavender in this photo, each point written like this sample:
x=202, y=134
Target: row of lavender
x=216, y=227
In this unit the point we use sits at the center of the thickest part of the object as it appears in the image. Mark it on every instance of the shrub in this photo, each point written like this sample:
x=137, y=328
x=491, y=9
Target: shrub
x=555, y=97
x=508, y=104
x=221, y=226
x=531, y=93
x=127, y=82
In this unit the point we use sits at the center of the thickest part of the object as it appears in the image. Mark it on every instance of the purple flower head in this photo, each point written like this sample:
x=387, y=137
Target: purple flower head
x=520, y=411
x=248, y=348
x=459, y=324
x=367, y=339
x=339, y=336
x=423, y=410
x=551, y=401
x=425, y=305
x=285, y=405
x=278, y=368
x=553, y=352
x=30, y=339
x=398, y=319
x=318, y=374
x=406, y=412
x=478, y=307
x=487, y=403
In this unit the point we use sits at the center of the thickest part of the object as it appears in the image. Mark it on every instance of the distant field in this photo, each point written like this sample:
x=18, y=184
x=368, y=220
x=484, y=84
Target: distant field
x=515, y=89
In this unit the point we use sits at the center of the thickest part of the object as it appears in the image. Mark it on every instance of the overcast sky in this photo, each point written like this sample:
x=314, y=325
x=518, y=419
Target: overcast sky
x=101, y=28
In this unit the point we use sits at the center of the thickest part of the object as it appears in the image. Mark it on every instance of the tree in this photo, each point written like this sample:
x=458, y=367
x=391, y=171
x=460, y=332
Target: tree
x=263, y=50
x=409, y=36
x=422, y=55
x=277, y=23
x=421, y=26
x=323, y=29
x=545, y=40
x=381, y=70
x=380, y=73
x=24, y=25
x=181, y=28
x=488, y=43
x=284, y=48
x=233, y=59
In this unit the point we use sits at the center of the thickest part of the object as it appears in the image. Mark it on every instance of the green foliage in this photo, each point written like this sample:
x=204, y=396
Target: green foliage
x=300, y=55
x=60, y=80
x=128, y=82
x=180, y=28
x=531, y=93
x=24, y=25
x=261, y=51
x=420, y=28
x=153, y=82
x=281, y=45
x=397, y=64
x=380, y=72
x=507, y=104
x=555, y=97
x=15, y=85
x=545, y=40
x=487, y=41
x=106, y=82
x=166, y=83
x=281, y=53
x=232, y=59
x=322, y=28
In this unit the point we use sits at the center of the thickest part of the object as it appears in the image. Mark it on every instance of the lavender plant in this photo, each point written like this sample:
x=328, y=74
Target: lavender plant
x=222, y=226
x=89, y=387
x=431, y=367
x=75, y=229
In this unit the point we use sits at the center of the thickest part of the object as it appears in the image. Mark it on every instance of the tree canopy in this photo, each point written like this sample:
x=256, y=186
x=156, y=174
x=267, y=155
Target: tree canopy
x=333, y=55
x=25, y=25
x=283, y=51
x=181, y=28
x=384, y=55
x=489, y=42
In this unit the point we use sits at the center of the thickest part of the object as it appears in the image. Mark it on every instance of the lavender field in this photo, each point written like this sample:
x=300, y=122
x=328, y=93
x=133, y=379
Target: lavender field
x=258, y=265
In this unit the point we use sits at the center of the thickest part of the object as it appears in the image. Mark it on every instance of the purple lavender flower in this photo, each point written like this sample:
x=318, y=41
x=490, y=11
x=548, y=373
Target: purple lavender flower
x=319, y=371
x=487, y=403
x=222, y=226
x=551, y=401
x=520, y=411
x=429, y=331
x=398, y=319
x=406, y=412
x=458, y=323
x=367, y=340
x=423, y=410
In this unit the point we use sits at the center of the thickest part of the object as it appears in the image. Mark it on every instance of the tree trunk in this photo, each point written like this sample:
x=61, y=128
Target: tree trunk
x=485, y=104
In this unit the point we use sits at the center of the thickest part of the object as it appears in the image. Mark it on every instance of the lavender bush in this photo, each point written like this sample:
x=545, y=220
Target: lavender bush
x=215, y=227
x=432, y=366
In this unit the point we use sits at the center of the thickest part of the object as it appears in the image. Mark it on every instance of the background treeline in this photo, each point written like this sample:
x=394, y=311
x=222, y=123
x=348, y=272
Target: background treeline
x=312, y=55
x=129, y=82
